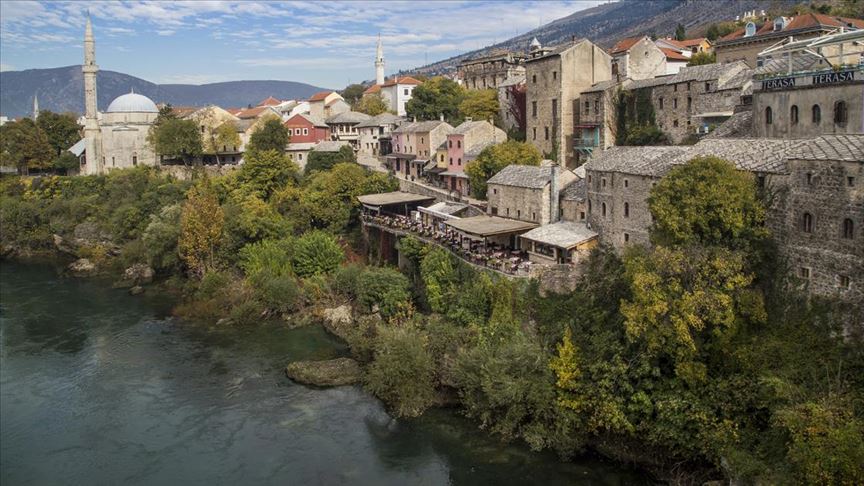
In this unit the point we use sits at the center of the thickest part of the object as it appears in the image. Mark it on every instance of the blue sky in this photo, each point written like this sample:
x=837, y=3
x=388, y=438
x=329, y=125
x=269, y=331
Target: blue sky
x=328, y=43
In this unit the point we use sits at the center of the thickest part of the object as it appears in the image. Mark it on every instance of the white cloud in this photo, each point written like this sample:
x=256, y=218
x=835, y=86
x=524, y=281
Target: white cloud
x=166, y=32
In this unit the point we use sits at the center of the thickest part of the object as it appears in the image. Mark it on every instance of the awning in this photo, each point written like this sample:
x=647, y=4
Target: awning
x=444, y=210
x=460, y=175
x=375, y=201
x=79, y=147
x=419, y=161
x=484, y=226
x=715, y=114
x=586, y=126
x=564, y=234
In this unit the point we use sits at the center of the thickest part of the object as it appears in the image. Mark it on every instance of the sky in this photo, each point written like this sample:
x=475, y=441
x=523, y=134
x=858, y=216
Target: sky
x=327, y=43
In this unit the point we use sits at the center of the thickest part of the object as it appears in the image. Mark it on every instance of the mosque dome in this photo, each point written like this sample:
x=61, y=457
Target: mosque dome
x=132, y=103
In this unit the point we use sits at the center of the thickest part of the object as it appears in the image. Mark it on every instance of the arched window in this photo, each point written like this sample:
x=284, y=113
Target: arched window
x=769, y=116
x=603, y=209
x=848, y=229
x=840, y=113
x=589, y=206
x=816, y=114
x=793, y=115
x=807, y=223
x=626, y=210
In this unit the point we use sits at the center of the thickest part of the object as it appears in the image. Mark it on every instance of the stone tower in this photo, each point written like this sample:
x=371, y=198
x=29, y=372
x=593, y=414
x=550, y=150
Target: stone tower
x=35, y=107
x=91, y=125
x=379, y=62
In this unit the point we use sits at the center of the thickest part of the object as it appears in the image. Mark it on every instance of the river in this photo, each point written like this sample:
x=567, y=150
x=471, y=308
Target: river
x=100, y=388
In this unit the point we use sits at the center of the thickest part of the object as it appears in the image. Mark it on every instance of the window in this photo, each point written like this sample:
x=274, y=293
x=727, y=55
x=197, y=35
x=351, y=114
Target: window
x=300, y=157
x=675, y=123
x=807, y=223
x=458, y=143
x=688, y=85
x=809, y=178
x=554, y=74
x=689, y=102
x=534, y=216
x=844, y=281
x=507, y=210
x=112, y=160
x=603, y=182
x=546, y=131
x=816, y=114
x=450, y=143
x=769, y=116
x=626, y=237
x=422, y=140
x=534, y=79
x=494, y=211
x=406, y=91
x=850, y=181
x=518, y=213
x=202, y=128
x=581, y=215
x=596, y=107
x=793, y=115
x=848, y=229
x=534, y=133
x=554, y=108
x=589, y=179
x=451, y=160
x=675, y=88
x=459, y=161
x=534, y=109
x=603, y=209
x=804, y=273
x=674, y=102
x=494, y=191
x=626, y=210
x=589, y=206
x=760, y=181
x=134, y=160
x=305, y=131
x=707, y=86
x=626, y=183
x=660, y=102
x=587, y=107
x=840, y=113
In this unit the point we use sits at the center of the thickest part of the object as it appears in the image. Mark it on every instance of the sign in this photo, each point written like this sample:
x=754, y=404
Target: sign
x=834, y=78
x=778, y=83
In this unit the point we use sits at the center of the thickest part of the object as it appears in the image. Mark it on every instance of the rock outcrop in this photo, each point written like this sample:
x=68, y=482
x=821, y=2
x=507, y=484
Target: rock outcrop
x=333, y=372
x=81, y=268
x=338, y=321
x=139, y=274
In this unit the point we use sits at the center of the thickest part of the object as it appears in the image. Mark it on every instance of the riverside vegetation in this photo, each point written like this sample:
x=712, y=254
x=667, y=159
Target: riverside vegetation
x=696, y=359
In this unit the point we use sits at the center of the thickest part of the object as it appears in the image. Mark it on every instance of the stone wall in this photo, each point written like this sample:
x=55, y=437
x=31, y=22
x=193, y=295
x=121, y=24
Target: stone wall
x=424, y=190
x=781, y=103
x=676, y=105
x=627, y=219
x=645, y=60
x=573, y=210
x=522, y=203
x=183, y=173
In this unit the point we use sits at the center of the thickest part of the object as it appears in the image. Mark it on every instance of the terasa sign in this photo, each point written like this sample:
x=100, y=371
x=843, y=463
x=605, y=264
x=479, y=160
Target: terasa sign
x=834, y=78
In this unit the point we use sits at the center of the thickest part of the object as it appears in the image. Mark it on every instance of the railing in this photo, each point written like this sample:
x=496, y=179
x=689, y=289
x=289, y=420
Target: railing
x=508, y=262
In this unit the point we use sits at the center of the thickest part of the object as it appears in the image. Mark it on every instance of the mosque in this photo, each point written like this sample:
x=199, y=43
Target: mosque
x=116, y=138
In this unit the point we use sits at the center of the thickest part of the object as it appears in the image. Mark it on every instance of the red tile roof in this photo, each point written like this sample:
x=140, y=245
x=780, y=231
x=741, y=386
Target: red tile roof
x=234, y=111
x=625, y=44
x=251, y=112
x=375, y=88
x=692, y=42
x=270, y=101
x=401, y=80
x=806, y=21
x=674, y=55
x=320, y=96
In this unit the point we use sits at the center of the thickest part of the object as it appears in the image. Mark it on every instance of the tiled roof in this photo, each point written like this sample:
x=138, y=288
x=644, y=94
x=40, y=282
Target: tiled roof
x=601, y=86
x=252, y=112
x=300, y=146
x=401, y=80
x=330, y=146
x=625, y=44
x=831, y=147
x=575, y=191
x=234, y=111
x=336, y=100
x=512, y=81
x=348, y=117
x=738, y=125
x=650, y=82
x=563, y=234
x=244, y=124
x=554, y=51
x=691, y=42
x=649, y=161
x=707, y=72
x=674, y=55
x=270, y=101
x=737, y=81
x=311, y=119
x=809, y=21
x=529, y=176
x=320, y=96
x=375, y=88
x=379, y=120
x=424, y=126
x=467, y=126
x=475, y=149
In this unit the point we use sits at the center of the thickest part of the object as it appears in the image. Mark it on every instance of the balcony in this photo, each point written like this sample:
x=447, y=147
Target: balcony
x=586, y=138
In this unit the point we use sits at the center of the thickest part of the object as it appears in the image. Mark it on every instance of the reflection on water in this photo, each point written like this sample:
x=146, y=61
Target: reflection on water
x=97, y=387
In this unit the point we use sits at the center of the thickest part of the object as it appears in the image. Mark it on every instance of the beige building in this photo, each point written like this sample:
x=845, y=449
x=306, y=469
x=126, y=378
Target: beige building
x=375, y=134
x=209, y=119
x=527, y=193
x=554, y=79
x=414, y=145
x=488, y=72
x=326, y=104
x=343, y=127
x=638, y=58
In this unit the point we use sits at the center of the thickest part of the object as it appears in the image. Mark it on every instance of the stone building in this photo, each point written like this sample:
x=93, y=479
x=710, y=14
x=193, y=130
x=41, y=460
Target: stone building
x=414, y=144
x=464, y=144
x=746, y=43
x=527, y=193
x=343, y=127
x=375, y=134
x=595, y=118
x=511, y=103
x=554, y=79
x=637, y=58
x=210, y=119
x=488, y=72
x=818, y=219
x=325, y=104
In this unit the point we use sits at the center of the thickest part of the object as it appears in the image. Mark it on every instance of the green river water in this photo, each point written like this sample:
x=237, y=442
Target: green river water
x=101, y=388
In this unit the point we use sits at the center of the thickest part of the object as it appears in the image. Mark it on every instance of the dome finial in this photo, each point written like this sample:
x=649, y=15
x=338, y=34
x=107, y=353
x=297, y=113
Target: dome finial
x=132, y=90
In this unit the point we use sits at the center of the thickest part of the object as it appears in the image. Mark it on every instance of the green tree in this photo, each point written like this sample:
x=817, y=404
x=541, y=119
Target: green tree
x=353, y=93
x=323, y=161
x=481, y=105
x=264, y=172
x=176, y=139
x=316, y=253
x=200, y=229
x=386, y=288
x=271, y=135
x=371, y=104
x=709, y=202
x=222, y=137
x=25, y=146
x=161, y=236
x=403, y=371
x=62, y=130
x=642, y=135
x=437, y=96
x=440, y=279
x=701, y=58
x=680, y=33
x=721, y=29
x=494, y=158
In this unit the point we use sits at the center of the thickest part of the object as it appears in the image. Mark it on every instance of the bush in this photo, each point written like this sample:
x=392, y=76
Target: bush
x=316, y=253
x=345, y=279
x=403, y=371
x=268, y=257
x=385, y=287
x=646, y=135
x=279, y=293
x=160, y=239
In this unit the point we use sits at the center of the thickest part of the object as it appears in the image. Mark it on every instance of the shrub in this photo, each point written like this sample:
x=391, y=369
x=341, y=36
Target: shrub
x=385, y=287
x=345, y=279
x=279, y=293
x=270, y=257
x=160, y=238
x=402, y=373
x=316, y=253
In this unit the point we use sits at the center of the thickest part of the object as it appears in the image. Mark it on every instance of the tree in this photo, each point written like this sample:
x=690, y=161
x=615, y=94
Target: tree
x=386, y=288
x=680, y=33
x=201, y=224
x=721, y=29
x=439, y=278
x=708, y=202
x=316, y=253
x=436, y=97
x=701, y=58
x=264, y=172
x=371, y=104
x=322, y=161
x=353, y=93
x=218, y=136
x=62, y=130
x=642, y=135
x=176, y=139
x=516, y=108
x=25, y=146
x=403, y=371
x=494, y=158
x=271, y=135
x=481, y=105
x=161, y=236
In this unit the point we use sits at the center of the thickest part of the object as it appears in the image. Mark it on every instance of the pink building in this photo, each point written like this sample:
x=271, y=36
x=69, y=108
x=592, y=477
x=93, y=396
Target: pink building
x=464, y=144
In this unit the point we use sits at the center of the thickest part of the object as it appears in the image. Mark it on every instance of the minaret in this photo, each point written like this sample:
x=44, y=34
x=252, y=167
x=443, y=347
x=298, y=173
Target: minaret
x=379, y=62
x=91, y=125
x=35, y=107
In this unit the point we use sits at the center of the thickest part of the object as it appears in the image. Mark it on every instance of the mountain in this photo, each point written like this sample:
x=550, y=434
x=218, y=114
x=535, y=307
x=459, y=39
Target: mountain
x=62, y=89
x=605, y=24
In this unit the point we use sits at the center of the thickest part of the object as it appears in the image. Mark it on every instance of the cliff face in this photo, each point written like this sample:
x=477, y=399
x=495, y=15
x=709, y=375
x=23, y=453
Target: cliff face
x=62, y=90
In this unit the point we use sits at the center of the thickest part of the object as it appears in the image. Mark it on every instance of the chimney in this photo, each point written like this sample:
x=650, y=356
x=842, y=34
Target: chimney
x=467, y=118
x=553, y=194
x=441, y=117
